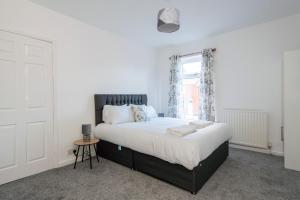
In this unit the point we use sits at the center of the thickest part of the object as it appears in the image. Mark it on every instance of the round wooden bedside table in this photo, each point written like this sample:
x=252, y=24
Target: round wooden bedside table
x=82, y=143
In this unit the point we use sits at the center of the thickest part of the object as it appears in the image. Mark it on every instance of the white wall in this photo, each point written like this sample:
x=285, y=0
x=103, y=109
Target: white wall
x=248, y=69
x=87, y=61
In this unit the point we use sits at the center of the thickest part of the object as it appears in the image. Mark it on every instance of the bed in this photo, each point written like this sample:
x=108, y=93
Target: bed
x=186, y=162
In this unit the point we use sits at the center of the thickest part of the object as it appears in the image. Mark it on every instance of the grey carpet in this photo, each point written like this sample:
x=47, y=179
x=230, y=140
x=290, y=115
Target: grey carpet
x=244, y=175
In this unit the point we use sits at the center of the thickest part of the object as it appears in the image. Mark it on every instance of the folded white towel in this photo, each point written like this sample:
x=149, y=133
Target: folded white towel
x=201, y=124
x=181, y=130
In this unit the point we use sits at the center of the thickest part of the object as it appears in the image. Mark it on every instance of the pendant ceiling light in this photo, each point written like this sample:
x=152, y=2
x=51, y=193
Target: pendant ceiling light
x=168, y=20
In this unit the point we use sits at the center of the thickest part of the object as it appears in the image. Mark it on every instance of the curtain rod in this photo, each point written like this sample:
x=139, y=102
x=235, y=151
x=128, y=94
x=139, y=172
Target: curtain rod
x=195, y=53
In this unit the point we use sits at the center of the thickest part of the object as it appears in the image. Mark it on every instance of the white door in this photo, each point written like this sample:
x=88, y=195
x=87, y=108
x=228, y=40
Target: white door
x=26, y=109
x=291, y=98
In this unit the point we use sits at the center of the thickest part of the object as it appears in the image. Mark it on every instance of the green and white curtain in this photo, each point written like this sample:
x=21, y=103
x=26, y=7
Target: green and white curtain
x=175, y=88
x=207, y=86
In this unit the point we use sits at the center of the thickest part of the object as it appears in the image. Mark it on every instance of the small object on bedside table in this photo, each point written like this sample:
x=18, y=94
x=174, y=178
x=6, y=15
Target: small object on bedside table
x=84, y=143
x=161, y=114
x=86, y=131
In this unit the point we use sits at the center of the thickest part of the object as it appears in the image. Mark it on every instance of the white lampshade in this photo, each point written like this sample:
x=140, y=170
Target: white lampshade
x=168, y=20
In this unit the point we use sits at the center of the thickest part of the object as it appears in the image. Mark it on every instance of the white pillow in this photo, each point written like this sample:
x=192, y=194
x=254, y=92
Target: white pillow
x=117, y=114
x=136, y=105
x=105, y=113
x=151, y=113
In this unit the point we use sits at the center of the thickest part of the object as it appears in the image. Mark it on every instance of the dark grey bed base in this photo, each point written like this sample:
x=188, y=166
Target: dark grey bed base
x=191, y=180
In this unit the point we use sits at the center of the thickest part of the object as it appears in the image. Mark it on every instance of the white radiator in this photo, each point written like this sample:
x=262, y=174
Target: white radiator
x=250, y=127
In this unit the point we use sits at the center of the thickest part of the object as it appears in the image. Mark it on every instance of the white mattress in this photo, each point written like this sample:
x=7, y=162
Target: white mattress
x=151, y=138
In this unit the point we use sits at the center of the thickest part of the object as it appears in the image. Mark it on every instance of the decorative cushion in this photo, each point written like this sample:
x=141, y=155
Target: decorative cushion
x=143, y=112
x=139, y=113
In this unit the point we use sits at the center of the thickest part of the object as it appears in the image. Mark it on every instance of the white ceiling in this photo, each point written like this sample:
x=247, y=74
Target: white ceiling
x=136, y=19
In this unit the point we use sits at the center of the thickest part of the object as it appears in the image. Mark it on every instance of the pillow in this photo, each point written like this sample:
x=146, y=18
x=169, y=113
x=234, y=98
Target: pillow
x=105, y=113
x=117, y=114
x=136, y=105
x=143, y=112
x=151, y=113
x=139, y=113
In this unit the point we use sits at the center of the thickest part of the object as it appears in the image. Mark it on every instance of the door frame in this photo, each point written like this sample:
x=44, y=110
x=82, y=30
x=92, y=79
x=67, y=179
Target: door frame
x=289, y=162
x=55, y=148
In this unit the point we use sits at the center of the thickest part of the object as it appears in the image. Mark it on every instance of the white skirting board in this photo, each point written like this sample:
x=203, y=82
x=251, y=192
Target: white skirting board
x=71, y=160
x=65, y=162
x=266, y=151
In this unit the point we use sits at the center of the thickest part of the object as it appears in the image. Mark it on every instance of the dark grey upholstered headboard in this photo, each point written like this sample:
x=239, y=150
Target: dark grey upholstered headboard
x=116, y=99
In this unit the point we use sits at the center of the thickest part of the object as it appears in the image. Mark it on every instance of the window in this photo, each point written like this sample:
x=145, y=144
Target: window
x=191, y=67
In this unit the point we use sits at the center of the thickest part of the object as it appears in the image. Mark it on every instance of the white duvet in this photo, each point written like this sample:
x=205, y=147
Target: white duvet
x=151, y=138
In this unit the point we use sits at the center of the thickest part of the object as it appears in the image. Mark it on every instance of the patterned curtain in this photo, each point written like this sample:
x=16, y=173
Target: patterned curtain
x=207, y=88
x=175, y=88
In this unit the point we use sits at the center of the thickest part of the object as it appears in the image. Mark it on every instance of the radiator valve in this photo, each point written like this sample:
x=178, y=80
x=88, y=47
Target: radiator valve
x=269, y=145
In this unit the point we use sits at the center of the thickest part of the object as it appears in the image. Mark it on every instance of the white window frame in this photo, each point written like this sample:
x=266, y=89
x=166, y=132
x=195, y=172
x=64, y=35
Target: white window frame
x=187, y=60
